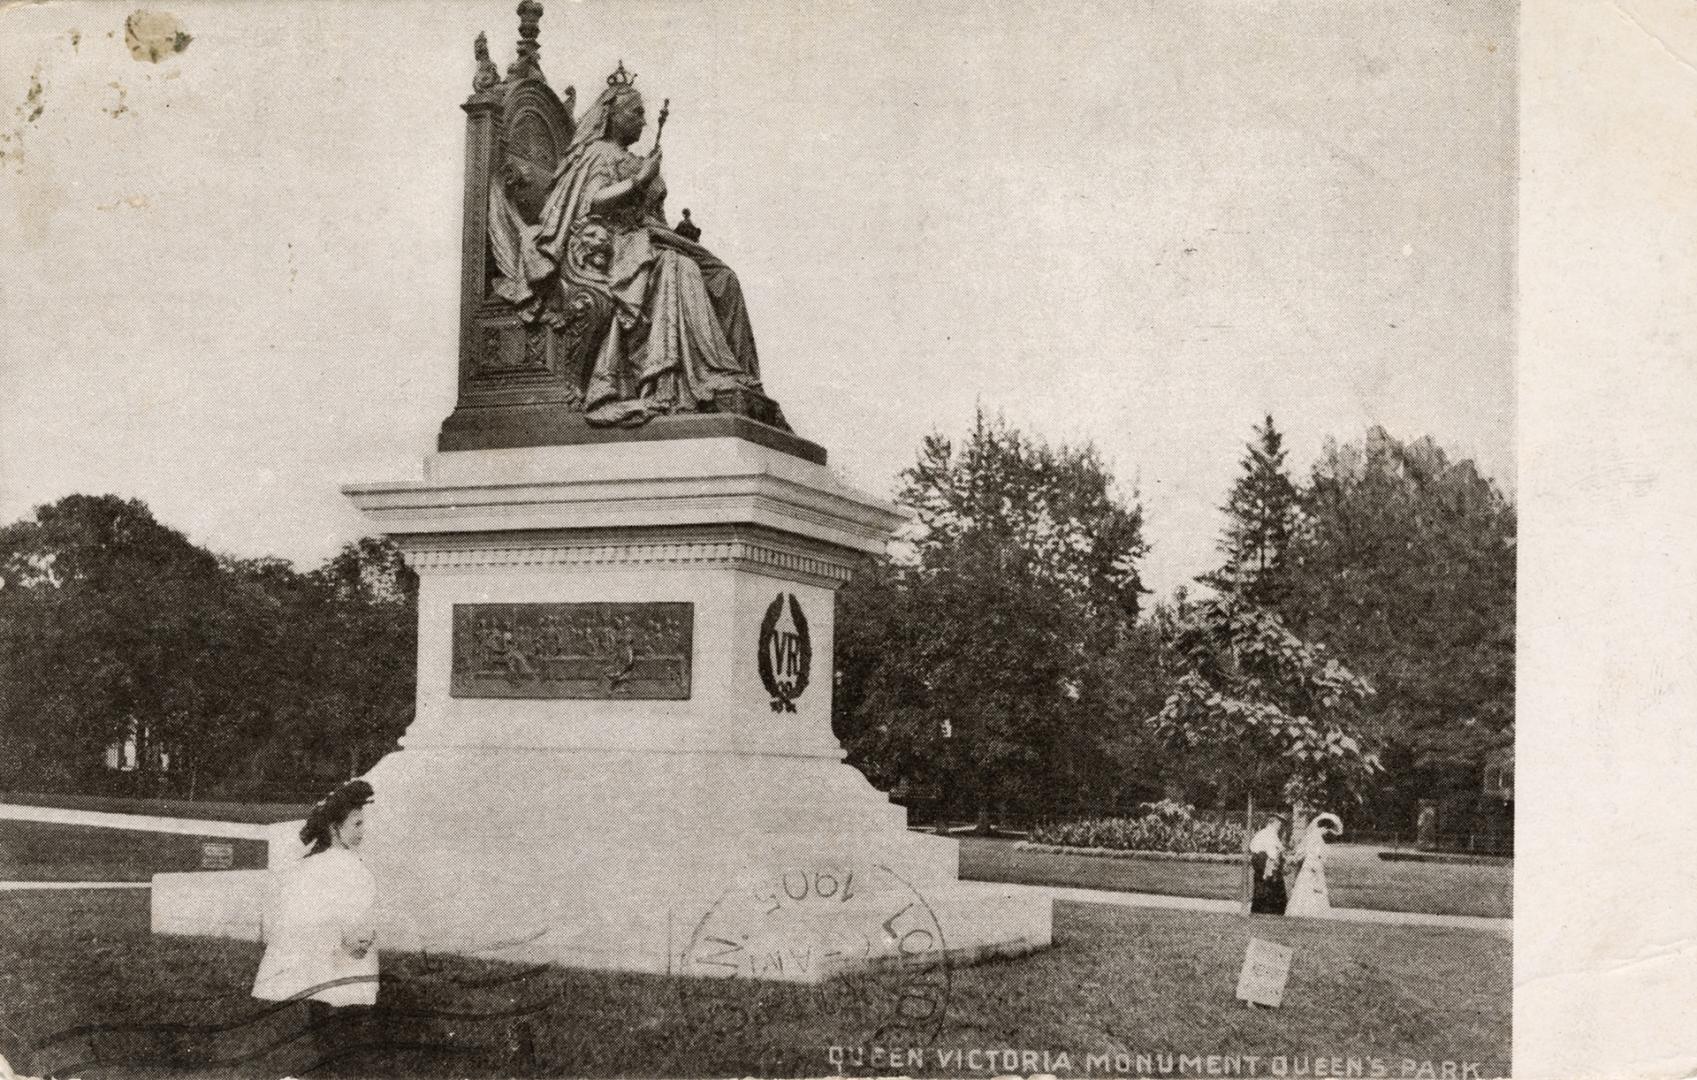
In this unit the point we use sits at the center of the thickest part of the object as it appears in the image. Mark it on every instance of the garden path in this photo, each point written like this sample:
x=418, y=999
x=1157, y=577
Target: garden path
x=1501, y=927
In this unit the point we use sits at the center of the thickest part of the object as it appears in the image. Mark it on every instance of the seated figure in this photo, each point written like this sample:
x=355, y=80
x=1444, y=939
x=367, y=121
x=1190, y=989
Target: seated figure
x=678, y=333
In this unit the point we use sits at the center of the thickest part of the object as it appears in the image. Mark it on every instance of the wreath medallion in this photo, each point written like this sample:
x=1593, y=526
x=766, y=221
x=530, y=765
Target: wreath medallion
x=785, y=656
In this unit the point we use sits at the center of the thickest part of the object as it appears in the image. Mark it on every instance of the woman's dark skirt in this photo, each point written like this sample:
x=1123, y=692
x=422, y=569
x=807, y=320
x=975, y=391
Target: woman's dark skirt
x=1269, y=897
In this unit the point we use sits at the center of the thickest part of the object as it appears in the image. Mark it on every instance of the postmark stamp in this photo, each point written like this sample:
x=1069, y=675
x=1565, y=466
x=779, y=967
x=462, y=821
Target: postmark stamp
x=862, y=933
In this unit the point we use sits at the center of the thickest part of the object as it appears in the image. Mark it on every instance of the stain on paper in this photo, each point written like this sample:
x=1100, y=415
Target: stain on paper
x=120, y=108
x=154, y=35
x=27, y=112
x=33, y=105
x=134, y=202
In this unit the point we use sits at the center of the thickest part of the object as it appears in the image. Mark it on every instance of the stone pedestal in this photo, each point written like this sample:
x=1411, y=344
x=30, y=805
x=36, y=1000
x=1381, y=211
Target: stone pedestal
x=698, y=822
x=713, y=831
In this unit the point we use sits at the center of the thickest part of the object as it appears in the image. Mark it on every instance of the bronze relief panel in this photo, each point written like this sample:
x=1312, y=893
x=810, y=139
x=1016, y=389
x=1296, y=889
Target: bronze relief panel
x=594, y=650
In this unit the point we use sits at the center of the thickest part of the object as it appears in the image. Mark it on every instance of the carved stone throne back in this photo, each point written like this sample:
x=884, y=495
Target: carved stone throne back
x=538, y=353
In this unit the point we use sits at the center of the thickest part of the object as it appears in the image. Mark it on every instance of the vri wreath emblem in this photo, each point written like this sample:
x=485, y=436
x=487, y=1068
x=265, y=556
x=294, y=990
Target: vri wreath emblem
x=786, y=652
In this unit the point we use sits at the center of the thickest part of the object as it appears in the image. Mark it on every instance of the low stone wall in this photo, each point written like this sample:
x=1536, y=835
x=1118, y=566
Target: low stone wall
x=1447, y=857
x=1118, y=853
x=224, y=903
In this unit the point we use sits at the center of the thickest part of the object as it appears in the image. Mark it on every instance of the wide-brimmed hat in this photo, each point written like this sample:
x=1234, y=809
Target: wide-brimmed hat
x=332, y=810
x=347, y=798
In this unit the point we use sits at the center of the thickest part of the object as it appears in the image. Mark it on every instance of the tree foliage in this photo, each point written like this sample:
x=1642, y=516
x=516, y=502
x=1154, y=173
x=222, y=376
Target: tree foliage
x=1262, y=518
x=109, y=618
x=226, y=672
x=1405, y=564
x=981, y=662
x=367, y=633
x=1003, y=655
x=1254, y=704
x=1006, y=500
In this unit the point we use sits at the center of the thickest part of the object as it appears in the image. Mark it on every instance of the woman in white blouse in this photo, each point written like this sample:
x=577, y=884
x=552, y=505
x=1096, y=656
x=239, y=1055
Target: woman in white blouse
x=320, y=940
x=1310, y=896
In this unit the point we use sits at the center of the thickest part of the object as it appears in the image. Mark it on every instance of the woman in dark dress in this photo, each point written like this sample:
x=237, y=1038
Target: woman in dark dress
x=1266, y=860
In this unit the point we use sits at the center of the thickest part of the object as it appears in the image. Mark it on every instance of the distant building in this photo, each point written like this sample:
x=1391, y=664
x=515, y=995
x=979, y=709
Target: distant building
x=1499, y=776
x=136, y=750
x=1496, y=801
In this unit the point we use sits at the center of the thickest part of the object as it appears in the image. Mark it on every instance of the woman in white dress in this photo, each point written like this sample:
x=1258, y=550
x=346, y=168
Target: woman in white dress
x=320, y=940
x=1309, y=896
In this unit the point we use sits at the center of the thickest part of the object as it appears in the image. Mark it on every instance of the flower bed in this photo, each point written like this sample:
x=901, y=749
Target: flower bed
x=1165, y=827
x=1116, y=853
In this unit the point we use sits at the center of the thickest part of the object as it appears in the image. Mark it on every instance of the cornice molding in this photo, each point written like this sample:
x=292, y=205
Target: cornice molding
x=742, y=553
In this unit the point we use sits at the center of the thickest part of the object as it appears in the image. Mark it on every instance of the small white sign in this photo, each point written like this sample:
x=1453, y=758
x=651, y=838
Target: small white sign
x=217, y=856
x=1266, y=968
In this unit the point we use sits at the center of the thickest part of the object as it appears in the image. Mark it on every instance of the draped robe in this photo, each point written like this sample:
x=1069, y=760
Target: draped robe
x=680, y=331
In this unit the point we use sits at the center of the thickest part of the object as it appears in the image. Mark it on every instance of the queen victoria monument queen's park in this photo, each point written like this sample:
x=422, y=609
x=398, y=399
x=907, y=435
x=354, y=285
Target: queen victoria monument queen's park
x=622, y=753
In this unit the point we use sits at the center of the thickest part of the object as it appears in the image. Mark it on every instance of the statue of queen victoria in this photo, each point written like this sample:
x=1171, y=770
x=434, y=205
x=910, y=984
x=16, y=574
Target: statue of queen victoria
x=579, y=299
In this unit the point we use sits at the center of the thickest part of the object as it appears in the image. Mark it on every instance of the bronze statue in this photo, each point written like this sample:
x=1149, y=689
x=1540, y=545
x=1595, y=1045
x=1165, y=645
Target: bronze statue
x=686, y=228
x=680, y=333
x=580, y=305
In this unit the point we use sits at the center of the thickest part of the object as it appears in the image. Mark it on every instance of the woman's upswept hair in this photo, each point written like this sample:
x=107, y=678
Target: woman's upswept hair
x=331, y=811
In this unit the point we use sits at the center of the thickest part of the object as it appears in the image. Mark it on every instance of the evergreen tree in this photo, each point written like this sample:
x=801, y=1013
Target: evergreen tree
x=1263, y=516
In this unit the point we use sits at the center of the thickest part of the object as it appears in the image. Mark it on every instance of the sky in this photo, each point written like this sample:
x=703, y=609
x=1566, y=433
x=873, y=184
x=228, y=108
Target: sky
x=229, y=278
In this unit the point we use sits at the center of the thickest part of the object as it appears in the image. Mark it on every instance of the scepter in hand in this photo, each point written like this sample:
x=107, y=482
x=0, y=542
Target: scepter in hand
x=660, y=124
x=651, y=164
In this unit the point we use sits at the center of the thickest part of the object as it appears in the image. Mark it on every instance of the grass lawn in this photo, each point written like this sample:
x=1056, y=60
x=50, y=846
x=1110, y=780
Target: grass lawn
x=1117, y=980
x=46, y=851
x=1357, y=877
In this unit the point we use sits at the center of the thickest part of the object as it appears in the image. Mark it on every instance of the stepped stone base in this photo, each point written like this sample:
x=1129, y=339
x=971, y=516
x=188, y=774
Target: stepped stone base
x=716, y=832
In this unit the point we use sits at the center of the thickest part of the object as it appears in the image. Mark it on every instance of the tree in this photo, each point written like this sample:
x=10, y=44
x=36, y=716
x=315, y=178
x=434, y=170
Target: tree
x=113, y=628
x=1262, y=519
x=368, y=647
x=287, y=660
x=976, y=663
x=1125, y=684
x=1012, y=499
x=1256, y=706
x=1406, y=564
x=340, y=656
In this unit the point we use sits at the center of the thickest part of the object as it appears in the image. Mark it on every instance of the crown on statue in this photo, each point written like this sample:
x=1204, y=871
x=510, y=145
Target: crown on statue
x=621, y=78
